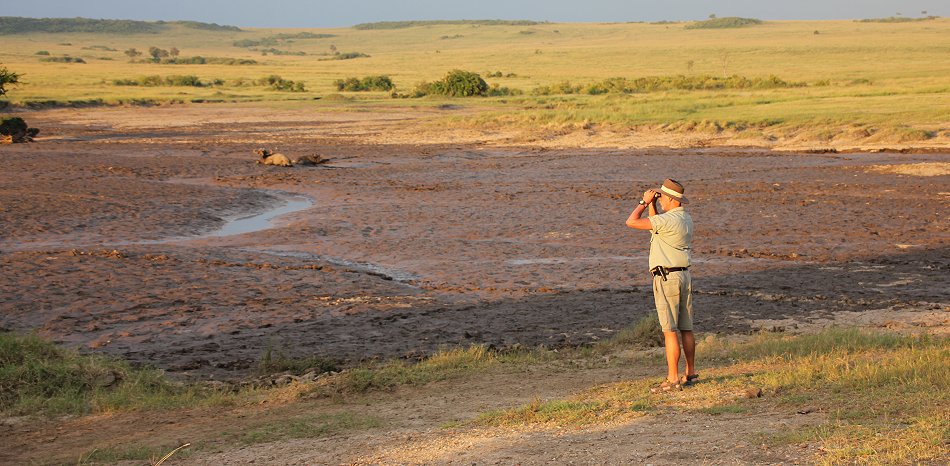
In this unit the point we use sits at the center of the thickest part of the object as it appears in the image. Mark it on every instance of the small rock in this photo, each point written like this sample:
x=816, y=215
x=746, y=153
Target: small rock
x=107, y=379
x=285, y=380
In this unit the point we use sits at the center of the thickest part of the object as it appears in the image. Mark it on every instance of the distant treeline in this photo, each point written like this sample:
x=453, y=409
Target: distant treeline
x=199, y=60
x=279, y=38
x=895, y=19
x=724, y=23
x=173, y=80
x=477, y=22
x=19, y=25
x=666, y=83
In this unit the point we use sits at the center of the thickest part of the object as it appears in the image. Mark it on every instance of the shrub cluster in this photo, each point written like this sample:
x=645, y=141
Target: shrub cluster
x=457, y=83
x=345, y=56
x=277, y=39
x=273, y=51
x=42, y=52
x=171, y=80
x=724, y=23
x=63, y=59
x=500, y=91
x=277, y=83
x=199, y=60
x=369, y=83
x=499, y=74
x=564, y=87
x=666, y=83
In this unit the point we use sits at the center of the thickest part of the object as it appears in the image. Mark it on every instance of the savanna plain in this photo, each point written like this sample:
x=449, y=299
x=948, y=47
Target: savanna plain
x=454, y=282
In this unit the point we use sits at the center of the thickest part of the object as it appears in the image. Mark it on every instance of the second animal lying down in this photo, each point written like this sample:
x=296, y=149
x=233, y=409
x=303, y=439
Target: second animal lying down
x=268, y=157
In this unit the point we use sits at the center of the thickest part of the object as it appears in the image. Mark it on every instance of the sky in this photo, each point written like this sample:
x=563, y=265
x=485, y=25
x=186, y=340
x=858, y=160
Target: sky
x=324, y=13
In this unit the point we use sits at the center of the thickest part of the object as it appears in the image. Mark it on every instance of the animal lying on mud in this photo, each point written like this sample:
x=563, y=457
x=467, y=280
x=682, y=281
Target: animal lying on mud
x=268, y=157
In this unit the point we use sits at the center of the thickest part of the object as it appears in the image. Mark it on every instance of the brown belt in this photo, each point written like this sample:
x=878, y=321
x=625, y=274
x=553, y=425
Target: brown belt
x=660, y=271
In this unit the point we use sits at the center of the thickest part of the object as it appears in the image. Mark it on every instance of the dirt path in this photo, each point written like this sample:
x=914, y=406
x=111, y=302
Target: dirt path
x=412, y=428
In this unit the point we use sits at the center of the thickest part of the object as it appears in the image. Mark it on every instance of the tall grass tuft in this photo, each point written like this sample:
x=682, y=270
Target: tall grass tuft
x=439, y=366
x=36, y=377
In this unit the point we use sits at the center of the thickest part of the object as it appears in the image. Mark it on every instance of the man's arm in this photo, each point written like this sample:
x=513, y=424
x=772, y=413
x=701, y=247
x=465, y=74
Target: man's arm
x=634, y=221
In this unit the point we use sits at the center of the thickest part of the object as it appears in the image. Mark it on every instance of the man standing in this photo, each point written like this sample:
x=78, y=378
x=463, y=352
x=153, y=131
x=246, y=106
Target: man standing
x=672, y=288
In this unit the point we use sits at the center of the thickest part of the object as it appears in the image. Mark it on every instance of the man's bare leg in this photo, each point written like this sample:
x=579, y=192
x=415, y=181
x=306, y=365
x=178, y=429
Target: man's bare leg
x=689, y=350
x=672, y=344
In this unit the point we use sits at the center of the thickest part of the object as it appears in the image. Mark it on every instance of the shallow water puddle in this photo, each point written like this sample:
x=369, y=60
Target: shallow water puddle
x=261, y=221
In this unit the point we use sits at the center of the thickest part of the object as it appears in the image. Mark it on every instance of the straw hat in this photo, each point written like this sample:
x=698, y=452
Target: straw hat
x=673, y=189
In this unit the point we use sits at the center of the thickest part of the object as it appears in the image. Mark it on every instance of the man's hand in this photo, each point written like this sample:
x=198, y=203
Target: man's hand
x=649, y=195
x=634, y=221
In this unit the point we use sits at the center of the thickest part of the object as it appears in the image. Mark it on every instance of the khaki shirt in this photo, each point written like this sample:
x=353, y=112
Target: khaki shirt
x=671, y=238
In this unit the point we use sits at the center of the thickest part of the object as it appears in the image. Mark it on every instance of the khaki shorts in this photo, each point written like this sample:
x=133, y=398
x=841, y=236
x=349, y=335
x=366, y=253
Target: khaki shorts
x=674, y=301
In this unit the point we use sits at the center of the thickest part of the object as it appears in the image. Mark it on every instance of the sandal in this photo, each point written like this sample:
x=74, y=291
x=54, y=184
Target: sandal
x=666, y=386
x=688, y=380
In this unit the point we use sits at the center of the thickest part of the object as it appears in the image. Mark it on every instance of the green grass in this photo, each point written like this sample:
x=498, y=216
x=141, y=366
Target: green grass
x=646, y=332
x=131, y=453
x=884, y=395
x=445, y=364
x=314, y=426
x=274, y=361
x=37, y=377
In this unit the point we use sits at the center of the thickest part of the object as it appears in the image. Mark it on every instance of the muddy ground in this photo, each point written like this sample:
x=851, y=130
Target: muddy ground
x=108, y=238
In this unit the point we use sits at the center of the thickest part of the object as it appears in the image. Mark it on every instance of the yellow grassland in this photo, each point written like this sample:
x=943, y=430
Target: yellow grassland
x=874, y=83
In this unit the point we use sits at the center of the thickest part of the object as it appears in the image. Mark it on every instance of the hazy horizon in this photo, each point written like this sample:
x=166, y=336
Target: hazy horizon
x=302, y=14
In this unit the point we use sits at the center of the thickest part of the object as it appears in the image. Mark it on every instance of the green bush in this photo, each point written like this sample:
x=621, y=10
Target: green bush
x=369, y=83
x=42, y=52
x=7, y=78
x=278, y=83
x=459, y=83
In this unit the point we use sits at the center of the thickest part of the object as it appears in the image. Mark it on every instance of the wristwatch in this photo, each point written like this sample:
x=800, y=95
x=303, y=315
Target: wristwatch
x=642, y=203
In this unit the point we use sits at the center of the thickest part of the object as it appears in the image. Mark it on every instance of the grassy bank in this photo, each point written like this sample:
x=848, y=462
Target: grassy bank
x=842, y=90
x=39, y=378
x=883, y=396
